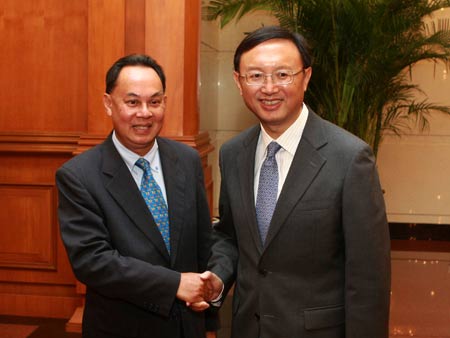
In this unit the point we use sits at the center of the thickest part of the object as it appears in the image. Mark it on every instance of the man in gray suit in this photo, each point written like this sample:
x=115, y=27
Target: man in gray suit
x=142, y=263
x=303, y=230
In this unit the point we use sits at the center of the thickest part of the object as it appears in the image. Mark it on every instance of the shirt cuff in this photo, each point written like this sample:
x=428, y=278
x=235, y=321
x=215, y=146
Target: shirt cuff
x=218, y=300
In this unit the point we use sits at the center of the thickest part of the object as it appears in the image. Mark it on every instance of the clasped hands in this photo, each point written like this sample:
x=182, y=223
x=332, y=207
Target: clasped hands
x=198, y=289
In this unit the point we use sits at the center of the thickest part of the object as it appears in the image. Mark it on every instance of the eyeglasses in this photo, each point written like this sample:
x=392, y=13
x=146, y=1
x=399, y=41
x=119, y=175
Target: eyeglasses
x=280, y=77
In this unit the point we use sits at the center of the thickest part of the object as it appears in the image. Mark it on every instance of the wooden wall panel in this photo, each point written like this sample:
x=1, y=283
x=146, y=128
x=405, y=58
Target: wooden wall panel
x=37, y=300
x=29, y=240
x=191, y=66
x=43, y=65
x=35, y=275
x=135, y=26
x=28, y=206
x=159, y=45
x=43, y=90
x=106, y=25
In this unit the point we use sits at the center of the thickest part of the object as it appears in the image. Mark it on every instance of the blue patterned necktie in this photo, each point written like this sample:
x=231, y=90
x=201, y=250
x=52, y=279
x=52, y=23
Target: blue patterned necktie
x=267, y=190
x=151, y=192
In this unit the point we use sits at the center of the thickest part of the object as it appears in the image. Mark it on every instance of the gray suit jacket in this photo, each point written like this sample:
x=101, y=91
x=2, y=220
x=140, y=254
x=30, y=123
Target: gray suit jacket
x=324, y=270
x=115, y=248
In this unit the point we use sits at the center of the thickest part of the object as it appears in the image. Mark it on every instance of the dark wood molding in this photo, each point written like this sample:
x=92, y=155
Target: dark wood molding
x=32, y=142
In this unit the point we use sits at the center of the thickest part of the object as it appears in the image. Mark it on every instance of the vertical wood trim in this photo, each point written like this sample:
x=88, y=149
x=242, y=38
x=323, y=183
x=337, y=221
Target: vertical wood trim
x=165, y=41
x=191, y=67
x=134, y=26
x=106, y=43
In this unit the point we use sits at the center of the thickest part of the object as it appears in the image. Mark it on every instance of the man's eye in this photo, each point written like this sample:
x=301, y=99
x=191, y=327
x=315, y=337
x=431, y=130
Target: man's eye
x=132, y=103
x=282, y=74
x=155, y=103
x=255, y=76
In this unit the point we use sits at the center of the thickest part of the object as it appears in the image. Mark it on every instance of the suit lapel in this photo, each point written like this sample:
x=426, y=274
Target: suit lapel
x=175, y=182
x=305, y=166
x=246, y=166
x=124, y=190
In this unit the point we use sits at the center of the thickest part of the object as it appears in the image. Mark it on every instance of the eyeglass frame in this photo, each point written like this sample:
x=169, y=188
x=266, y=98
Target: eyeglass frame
x=266, y=75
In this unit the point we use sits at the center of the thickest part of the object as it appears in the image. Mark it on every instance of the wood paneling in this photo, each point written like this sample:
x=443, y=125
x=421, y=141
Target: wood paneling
x=43, y=65
x=190, y=67
x=29, y=240
x=106, y=25
x=135, y=26
x=35, y=275
x=38, y=299
x=173, y=39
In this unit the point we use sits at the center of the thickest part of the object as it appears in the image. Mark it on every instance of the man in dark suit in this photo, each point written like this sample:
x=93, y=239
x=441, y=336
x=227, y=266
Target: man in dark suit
x=303, y=230
x=140, y=273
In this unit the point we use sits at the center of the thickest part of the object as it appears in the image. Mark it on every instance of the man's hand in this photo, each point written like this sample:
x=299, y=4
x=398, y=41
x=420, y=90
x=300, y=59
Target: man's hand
x=193, y=288
x=214, y=287
x=199, y=306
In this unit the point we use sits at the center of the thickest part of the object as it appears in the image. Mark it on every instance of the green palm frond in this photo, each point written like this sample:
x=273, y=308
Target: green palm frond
x=363, y=53
x=232, y=9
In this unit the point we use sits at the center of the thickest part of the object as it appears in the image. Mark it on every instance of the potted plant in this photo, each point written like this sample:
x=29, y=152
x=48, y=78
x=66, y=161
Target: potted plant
x=363, y=53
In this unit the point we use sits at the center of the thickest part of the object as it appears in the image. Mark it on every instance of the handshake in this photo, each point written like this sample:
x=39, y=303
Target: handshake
x=198, y=289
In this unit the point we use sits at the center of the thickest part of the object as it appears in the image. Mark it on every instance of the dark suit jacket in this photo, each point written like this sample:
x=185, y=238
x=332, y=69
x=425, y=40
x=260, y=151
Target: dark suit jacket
x=115, y=248
x=324, y=271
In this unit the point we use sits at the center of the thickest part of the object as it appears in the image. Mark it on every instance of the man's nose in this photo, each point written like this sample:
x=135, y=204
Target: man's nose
x=144, y=110
x=269, y=85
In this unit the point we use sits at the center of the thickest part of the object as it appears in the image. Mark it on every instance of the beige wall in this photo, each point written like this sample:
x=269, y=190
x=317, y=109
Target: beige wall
x=222, y=112
x=414, y=169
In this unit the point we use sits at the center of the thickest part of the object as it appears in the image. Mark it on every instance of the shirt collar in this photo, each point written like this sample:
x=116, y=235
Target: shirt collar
x=130, y=157
x=290, y=139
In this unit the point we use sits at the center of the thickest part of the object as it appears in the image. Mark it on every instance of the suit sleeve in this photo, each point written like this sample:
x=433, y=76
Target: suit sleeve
x=224, y=257
x=212, y=322
x=367, y=250
x=94, y=260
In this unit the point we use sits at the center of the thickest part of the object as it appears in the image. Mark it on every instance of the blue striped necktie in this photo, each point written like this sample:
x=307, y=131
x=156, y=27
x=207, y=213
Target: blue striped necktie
x=266, y=199
x=151, y=192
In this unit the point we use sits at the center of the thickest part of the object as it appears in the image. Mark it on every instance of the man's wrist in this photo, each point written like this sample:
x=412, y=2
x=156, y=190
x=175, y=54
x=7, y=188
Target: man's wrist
x=216, y=302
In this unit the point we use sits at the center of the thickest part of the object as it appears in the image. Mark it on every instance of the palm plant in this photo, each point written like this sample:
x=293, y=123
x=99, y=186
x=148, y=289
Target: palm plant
x=363, y=53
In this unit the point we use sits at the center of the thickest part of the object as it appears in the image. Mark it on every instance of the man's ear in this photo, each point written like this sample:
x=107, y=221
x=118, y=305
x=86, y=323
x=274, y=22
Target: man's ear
x=237, y=81
x=107, y=103
x=308, y=73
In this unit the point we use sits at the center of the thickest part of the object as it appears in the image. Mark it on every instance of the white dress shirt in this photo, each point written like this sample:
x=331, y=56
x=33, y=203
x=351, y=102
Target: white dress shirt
x=288, y=141
x=152, y=157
